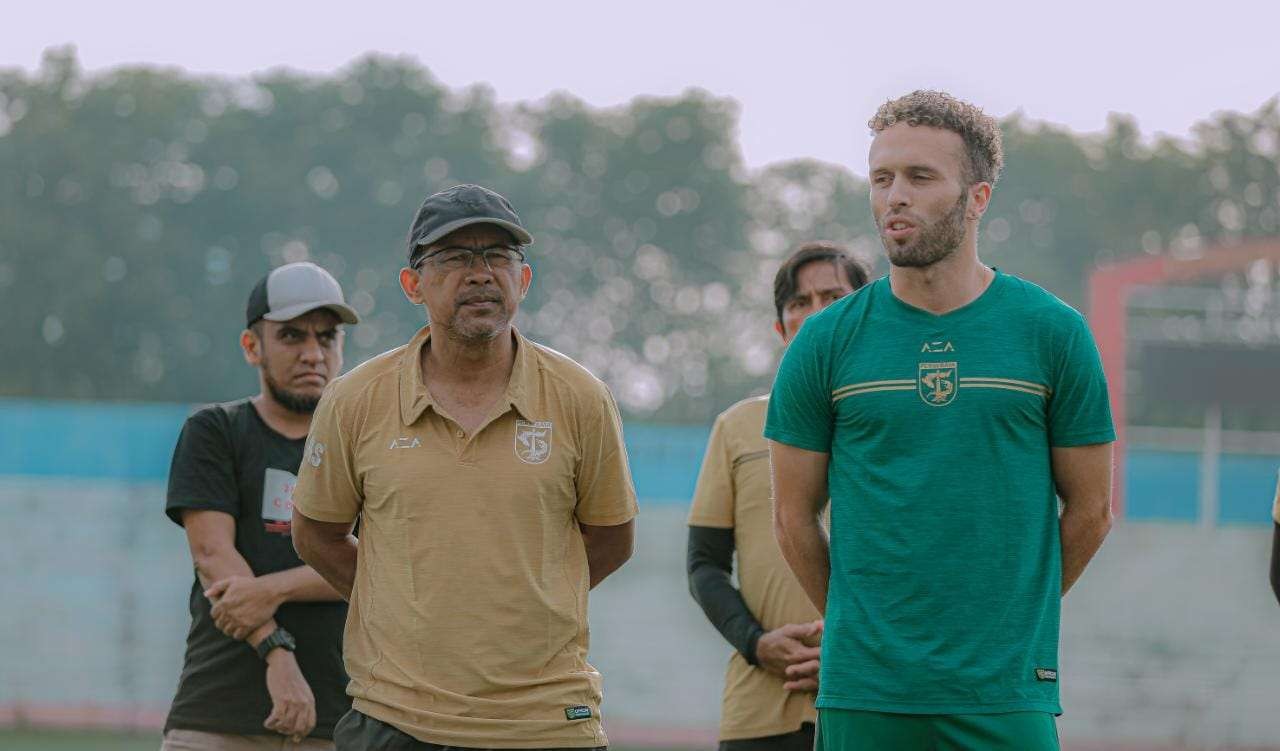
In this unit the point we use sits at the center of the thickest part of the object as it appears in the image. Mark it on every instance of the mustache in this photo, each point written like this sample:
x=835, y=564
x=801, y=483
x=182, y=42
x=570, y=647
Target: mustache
x=886, y=218
x=478, y=297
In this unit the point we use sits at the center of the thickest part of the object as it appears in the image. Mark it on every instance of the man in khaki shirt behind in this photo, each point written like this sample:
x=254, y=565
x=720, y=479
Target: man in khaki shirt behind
x=774, y=628
x=492, y=488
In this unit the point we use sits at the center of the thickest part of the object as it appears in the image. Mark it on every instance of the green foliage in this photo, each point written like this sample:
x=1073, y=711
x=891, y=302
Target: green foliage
x=137, y=208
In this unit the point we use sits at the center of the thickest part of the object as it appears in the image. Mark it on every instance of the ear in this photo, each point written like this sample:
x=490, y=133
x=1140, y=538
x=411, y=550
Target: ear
x=777, y=326
x=526, y=278
x=979, y=200
x=252, y=347
x=411, y=284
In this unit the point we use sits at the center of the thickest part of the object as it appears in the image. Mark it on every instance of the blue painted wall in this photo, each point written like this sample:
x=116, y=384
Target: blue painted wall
x=134, y=442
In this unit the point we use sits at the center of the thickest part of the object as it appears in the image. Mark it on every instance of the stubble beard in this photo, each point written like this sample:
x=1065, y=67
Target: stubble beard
x=477, y=330
x=935, y=242
x=301, y=404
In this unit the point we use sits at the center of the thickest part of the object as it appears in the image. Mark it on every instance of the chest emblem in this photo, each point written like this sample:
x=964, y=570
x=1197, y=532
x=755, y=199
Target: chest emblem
x=937, y=382
x=533, y=441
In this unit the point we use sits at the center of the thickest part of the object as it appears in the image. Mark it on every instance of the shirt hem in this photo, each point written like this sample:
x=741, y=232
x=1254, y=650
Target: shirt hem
x=764, y=731
x=866, y=705
x=323, y=732
x=463, y=740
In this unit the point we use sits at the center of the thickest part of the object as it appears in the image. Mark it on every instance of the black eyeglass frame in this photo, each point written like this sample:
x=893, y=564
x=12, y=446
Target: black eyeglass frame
x=483, y=253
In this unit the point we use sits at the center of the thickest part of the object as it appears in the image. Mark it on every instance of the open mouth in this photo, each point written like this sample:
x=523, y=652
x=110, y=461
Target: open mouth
x=899, y=229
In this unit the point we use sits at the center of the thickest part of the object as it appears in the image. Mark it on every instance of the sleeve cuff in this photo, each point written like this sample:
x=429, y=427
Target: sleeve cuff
x=1091, y=438
x=174, y=509
x=319, y=515
x=702, y=520
x=750, y=654
x=610, y=520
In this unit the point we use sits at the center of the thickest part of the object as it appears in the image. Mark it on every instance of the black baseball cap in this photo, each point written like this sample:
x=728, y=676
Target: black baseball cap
x=295, y=289
x=461, y=206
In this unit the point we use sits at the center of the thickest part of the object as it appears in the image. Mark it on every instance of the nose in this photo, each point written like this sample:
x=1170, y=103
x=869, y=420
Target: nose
x=899, y=194
x=312, y=351
x=477, y=271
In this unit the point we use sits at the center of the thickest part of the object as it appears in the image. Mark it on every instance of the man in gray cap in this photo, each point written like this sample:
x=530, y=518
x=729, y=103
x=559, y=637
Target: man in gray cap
x=493, y=492
x=263, y=666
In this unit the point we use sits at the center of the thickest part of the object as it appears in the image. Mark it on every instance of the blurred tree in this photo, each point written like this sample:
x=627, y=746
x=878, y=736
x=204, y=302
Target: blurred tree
x=138, y=206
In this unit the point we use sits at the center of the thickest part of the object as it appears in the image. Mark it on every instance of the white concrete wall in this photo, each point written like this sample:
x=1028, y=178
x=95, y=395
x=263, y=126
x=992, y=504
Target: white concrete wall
x=1172, y=637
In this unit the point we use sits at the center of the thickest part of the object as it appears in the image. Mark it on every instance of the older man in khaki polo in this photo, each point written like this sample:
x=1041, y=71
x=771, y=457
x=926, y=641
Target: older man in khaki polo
x=492, y=487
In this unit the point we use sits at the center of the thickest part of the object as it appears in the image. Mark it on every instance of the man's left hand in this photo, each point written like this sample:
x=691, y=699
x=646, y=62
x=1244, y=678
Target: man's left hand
x=802, y=676
x=241, y=604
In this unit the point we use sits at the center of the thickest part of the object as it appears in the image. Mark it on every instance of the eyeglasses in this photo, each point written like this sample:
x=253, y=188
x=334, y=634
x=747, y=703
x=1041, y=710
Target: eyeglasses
x=496, y=258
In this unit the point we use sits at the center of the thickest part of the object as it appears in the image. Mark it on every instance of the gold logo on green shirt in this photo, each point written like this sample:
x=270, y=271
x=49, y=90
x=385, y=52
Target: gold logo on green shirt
x=936, y=383
x=938, y=346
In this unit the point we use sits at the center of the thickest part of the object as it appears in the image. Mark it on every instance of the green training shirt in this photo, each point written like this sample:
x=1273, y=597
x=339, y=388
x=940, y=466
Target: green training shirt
x=945, y=557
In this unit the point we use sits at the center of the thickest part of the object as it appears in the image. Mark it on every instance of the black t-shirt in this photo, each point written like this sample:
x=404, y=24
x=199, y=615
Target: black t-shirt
x=227, y=459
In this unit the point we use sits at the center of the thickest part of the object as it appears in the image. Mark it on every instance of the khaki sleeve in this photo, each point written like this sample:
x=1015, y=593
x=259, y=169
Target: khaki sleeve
x=327, y=489
x=713, y=502
x=606, y=495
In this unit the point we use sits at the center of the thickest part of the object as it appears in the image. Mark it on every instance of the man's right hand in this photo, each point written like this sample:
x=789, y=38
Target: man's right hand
x=788, y=645
x=293, y=706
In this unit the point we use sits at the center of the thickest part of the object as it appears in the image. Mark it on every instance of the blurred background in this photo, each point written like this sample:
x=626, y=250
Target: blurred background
x=149, y=178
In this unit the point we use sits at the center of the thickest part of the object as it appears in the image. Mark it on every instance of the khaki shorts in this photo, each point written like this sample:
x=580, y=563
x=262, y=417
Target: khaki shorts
x=198, y=740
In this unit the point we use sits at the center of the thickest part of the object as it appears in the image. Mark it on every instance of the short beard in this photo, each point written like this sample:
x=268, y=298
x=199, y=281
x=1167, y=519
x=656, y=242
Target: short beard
x=300, y=404
x=471, y=333
x=936, y=242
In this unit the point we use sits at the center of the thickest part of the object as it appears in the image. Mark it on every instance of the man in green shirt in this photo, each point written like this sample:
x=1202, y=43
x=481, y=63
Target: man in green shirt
x=944, y=410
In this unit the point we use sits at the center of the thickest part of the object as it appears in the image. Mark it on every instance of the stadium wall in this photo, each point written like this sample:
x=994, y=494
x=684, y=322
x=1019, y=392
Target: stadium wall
x=1169, y=639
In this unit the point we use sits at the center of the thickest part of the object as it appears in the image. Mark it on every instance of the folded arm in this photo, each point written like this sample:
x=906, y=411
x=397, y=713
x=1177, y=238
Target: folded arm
x=211, y=535
x=328, y=547
x=1082, y=476
x=799, y=497
x=709, y=565
x=607, y=548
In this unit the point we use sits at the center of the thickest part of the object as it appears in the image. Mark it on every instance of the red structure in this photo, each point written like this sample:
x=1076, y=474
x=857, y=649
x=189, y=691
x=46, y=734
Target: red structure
x=1109, y=289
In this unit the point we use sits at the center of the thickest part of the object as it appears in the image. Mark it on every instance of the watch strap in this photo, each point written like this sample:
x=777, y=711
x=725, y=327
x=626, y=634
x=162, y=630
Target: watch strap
x=277, y=638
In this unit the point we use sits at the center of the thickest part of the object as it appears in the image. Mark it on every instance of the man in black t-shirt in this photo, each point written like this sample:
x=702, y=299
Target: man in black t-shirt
x=263, y=666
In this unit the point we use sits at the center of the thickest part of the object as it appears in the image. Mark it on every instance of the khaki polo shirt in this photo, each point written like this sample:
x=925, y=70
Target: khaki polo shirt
x=1275, y=505
x=468, y=618
x=734, y=492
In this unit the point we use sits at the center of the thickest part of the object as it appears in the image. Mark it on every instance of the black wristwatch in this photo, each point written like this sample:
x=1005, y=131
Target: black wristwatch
x=278, y=638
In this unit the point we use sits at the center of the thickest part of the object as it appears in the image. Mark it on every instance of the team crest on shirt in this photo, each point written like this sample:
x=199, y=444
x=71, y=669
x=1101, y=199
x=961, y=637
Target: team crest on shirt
x=937, y=382
x=533, y=441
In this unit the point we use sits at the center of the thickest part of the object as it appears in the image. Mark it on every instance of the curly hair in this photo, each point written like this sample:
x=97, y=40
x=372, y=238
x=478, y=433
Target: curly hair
x=981, y=133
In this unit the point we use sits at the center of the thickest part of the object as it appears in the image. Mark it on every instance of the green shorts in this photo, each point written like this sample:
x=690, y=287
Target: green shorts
x=849, y=730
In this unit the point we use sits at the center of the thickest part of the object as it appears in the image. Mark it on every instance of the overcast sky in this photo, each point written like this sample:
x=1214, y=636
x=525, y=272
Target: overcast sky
x=806, y=74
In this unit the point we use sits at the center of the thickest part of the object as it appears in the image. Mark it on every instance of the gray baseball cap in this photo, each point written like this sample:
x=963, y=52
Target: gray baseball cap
x=460, y=206
x=295, y=289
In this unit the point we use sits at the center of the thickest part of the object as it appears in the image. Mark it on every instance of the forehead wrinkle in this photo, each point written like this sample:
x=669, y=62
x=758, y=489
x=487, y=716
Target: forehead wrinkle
x=919, y=153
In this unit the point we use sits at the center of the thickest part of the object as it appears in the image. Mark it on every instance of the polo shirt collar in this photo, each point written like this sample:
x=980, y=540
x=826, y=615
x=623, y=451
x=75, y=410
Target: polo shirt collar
x=415, y=398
